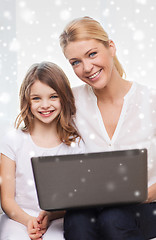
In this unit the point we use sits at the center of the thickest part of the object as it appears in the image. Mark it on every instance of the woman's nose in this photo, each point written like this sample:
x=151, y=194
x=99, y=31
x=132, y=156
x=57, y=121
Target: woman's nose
x=87, y=66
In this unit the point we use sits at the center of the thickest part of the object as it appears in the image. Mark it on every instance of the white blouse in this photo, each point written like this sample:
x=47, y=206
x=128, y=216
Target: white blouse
x=136, y=127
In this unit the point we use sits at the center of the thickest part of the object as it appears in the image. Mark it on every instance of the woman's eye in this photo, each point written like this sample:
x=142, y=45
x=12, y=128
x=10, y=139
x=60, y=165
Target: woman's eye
x=92, y=54
x=75, y=63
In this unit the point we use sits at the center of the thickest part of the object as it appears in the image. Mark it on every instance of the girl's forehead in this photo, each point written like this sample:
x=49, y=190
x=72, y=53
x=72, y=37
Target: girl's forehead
x=40, y=87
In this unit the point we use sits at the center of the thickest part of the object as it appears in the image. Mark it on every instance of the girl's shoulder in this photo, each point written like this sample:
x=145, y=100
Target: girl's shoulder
x=76, y=147
x=11, y=143
x=13, y=137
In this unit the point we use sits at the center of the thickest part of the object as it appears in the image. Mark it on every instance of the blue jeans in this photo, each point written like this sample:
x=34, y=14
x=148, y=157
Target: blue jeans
x=127, y=222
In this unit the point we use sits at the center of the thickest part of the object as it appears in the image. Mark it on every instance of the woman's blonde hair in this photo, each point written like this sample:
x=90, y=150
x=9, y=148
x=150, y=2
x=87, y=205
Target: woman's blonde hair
x=87, y=28
x=53, y=76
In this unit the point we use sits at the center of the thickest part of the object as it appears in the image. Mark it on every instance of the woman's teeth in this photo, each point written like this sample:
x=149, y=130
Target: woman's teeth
x=94, y=75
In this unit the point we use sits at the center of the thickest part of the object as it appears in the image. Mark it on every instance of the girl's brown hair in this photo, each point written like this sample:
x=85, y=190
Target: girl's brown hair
x=87, y=28
x=53, y=76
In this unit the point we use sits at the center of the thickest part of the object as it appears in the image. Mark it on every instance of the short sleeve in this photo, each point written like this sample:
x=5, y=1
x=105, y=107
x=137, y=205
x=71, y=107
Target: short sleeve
x=8, y=145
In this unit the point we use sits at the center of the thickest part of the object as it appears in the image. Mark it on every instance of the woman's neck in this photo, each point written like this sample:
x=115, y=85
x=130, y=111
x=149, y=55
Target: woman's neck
x=115, y=90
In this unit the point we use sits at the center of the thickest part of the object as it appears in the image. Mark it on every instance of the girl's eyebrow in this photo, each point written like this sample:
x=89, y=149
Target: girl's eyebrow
x=32, y=95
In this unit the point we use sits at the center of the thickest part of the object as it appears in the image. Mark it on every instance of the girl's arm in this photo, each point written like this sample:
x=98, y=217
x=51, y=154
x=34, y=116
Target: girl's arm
x=9, y=205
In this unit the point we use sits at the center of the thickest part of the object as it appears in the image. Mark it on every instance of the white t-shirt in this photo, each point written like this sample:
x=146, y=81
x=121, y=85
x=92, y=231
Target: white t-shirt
x=136, y=127
x=19, y=147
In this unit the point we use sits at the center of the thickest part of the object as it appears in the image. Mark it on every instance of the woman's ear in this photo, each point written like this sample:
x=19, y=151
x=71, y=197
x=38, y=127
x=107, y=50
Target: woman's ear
x=112, y=48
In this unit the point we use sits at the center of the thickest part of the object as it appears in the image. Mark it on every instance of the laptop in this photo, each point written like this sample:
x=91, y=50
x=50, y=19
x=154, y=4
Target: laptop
x=90, y=180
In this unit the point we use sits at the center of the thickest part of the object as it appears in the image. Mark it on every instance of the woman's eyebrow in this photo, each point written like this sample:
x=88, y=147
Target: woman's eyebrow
x=92, y=49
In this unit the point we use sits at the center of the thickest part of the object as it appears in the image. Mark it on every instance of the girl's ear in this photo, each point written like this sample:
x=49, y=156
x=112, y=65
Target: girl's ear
x=112, y=48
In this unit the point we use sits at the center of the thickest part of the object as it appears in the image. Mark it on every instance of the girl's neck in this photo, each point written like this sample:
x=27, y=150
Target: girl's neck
x=45, y=135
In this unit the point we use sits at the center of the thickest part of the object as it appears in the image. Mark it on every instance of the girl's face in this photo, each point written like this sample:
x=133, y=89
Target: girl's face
x=92, y=61
x=44, y=103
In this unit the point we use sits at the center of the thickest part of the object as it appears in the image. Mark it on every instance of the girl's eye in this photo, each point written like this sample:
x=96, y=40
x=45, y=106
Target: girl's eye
x=35, y=98
x=75, y=63
x=92, y=54
x=54, y=96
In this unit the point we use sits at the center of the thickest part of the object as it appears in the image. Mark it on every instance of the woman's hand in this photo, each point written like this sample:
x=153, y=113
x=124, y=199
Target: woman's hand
x=151, y=193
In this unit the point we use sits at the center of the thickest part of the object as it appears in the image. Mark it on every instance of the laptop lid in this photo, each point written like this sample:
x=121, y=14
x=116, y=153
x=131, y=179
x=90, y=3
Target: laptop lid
x=93, y=179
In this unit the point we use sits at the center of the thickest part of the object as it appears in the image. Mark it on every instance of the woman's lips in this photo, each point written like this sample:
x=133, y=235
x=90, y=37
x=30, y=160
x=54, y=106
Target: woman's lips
x=95, y=75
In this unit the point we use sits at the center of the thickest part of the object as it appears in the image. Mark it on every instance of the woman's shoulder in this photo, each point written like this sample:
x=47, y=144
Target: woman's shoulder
x=82, y=89
x=144, y=87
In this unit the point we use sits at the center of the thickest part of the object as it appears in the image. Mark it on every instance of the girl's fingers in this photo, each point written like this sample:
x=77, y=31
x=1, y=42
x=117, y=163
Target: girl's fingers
x=37, y=236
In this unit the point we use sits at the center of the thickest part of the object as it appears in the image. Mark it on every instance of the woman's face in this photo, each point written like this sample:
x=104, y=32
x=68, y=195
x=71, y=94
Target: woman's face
x=92, y=62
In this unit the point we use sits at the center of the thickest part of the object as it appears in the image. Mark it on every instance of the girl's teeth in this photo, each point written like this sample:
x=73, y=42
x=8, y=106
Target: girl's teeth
x=45, y=113
x=94, y=75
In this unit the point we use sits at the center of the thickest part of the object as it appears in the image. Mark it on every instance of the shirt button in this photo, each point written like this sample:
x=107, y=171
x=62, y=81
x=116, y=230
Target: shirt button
x=110, y=144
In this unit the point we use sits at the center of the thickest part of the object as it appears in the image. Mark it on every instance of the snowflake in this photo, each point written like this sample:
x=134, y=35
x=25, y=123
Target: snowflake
x=142, y=1
x=31, y=153
x=30, y=182
x=4, y=98
x=28, y=16
x=154, y=212
x=106, y=12
x=141, y=115
x=83, y=180
x=7, y=15
x=92, y=220
x=110, y=186
x=65, y=14
x=137, y=193
x=70, y=194
x=92, y=136
x=14, y=45
x=58, y=2
x=138, y=35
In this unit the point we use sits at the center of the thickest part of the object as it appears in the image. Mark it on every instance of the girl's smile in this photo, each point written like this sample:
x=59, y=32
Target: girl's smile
x=45, y=103
x=46, y=113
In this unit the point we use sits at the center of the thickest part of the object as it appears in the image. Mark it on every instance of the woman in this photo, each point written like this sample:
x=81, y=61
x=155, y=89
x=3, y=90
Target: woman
x=112, y=114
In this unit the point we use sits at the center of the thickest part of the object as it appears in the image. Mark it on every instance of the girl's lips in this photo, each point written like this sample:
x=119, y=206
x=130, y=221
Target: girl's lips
x=46, y=113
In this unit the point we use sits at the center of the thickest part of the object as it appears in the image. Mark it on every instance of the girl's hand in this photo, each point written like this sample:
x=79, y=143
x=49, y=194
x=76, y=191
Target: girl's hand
x=43, y=221
x=34, y=230
x=151, y=193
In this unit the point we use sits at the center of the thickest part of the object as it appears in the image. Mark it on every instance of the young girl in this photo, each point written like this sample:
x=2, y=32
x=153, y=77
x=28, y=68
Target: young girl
x=117, y=114
x=47, y=112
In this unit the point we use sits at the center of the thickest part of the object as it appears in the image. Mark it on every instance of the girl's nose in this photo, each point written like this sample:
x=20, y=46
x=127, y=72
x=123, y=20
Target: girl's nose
x=45, y=104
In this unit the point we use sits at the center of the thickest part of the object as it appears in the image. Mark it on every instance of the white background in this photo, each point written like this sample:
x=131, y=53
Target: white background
x=30, y=29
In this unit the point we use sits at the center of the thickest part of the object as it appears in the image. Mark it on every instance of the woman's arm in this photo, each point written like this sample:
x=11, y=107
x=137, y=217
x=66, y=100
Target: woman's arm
x=45, y=217
x=9, y=205
x=151, y=193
